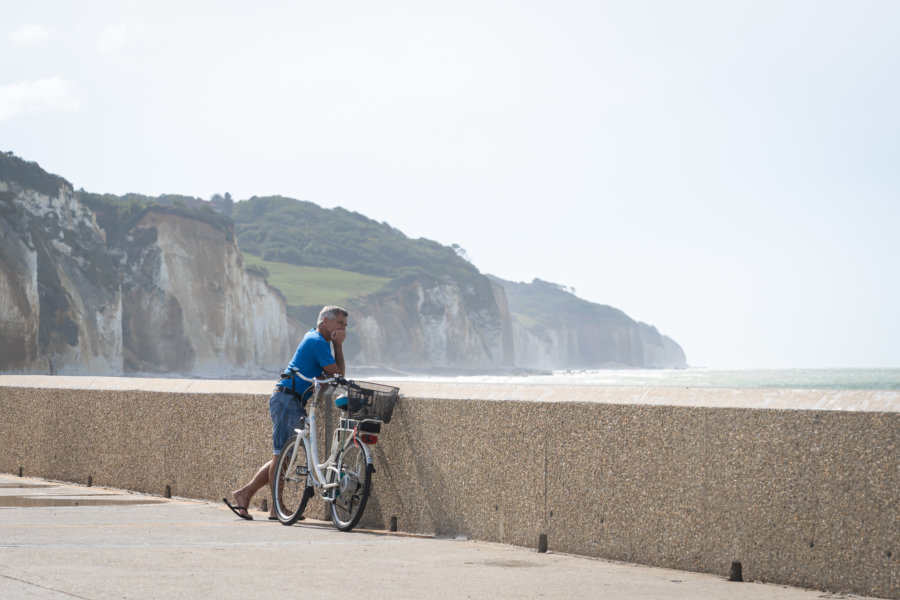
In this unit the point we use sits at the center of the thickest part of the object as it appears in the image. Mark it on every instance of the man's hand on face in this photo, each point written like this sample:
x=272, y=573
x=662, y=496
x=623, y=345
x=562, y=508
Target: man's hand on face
x=338, y=336
x=334, y=330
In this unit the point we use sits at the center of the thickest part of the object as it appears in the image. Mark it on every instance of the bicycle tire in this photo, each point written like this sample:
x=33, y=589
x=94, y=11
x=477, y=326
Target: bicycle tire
x=290, y=491
x=353, y=493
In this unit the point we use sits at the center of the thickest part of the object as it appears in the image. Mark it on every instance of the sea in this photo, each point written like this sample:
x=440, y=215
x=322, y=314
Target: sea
x=844, y=379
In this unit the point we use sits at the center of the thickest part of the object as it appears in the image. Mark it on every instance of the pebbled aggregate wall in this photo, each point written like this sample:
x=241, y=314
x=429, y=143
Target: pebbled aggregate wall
x=801, y=487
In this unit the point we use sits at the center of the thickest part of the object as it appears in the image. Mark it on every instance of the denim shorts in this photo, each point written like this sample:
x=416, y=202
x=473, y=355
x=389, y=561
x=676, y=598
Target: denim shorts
x=286, y=411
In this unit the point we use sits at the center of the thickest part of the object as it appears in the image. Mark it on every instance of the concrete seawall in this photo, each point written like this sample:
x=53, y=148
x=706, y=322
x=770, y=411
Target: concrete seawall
x=799, y=486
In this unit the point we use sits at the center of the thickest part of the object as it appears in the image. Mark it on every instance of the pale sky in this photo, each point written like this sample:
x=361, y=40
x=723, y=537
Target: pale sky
x=726, y=171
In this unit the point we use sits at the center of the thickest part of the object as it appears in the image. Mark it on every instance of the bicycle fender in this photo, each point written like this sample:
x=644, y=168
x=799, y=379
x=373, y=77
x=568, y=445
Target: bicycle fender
x=370, y=466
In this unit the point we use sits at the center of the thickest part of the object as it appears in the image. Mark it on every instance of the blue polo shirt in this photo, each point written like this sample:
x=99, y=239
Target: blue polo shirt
x=312, y=356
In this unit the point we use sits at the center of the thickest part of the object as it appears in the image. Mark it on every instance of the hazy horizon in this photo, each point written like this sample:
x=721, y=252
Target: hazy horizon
x=725, y=172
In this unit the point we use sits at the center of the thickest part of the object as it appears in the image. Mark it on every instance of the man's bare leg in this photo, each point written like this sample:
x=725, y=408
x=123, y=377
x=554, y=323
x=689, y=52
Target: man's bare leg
x=244, y=495
x=272, y=464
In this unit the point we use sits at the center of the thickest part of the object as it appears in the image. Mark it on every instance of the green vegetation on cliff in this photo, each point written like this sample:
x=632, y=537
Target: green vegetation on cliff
x=302, y=233
x=357, y=256
x=317, y=286
x=312, y=255
x=29, y=175
x=118, y=214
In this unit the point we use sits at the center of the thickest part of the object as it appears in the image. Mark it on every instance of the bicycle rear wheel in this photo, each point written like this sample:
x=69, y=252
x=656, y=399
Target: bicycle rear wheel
x=353, y=491
x=290, y=491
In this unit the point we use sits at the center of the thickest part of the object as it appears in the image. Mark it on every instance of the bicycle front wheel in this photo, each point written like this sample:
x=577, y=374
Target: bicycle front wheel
x=353, y=491
x=290, y=491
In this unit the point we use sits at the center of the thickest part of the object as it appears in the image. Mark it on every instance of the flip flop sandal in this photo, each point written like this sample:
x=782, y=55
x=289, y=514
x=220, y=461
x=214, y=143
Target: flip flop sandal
x=235, y=510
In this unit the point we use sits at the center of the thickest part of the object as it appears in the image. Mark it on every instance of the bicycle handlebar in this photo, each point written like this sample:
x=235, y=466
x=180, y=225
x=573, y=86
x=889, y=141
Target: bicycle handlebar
x=336, y=380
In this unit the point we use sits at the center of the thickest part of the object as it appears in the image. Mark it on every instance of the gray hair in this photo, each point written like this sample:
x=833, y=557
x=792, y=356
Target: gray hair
x=331, y=312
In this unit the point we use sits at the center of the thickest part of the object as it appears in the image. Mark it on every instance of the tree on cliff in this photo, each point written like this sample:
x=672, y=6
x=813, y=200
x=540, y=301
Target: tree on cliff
x=223, y=204
x=303, y=237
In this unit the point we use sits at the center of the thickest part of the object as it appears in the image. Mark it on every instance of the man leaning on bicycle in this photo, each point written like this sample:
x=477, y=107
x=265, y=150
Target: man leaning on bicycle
x=313, y=358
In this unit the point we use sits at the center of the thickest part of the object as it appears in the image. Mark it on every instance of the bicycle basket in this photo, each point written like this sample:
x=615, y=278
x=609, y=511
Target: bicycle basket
x=371, y=400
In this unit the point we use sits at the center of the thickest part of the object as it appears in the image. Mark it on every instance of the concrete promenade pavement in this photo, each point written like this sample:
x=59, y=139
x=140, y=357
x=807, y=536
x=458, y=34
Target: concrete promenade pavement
x=62, y=541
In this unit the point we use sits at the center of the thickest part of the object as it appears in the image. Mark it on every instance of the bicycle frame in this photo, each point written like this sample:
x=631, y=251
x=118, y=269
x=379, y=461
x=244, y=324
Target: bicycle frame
x=341, y=440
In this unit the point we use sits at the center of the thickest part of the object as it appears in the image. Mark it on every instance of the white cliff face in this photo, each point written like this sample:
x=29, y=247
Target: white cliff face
x=540, y=351
x=449, y=333
x=445, y=325
x=262, y=335
x=554, y=329
x=168, y=294
x=60, y=313
x=19, y=303
x=173, y=298
x=613, y=346
x=94, y=295
x=214, y=317
x=426, y=325
x=64, y=210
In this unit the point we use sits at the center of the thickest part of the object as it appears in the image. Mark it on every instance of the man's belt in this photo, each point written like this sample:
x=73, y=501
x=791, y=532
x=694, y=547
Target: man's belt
x=291, y=391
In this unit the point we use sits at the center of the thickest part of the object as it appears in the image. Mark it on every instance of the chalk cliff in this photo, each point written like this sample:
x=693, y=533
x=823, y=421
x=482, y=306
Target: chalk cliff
x=90, y=287
x=554, y=329
x=59, y=298
x=591, y=346
x=168, y=295
x=190, y=306
x=429, y=323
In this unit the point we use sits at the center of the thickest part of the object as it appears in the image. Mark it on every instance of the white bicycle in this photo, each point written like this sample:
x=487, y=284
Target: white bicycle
x=344, y=480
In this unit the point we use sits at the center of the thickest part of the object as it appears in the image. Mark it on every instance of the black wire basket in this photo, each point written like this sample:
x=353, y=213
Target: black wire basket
x=367, y=400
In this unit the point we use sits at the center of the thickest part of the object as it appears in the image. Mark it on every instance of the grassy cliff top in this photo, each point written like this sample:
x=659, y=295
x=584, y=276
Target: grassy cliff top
x=313, y=285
